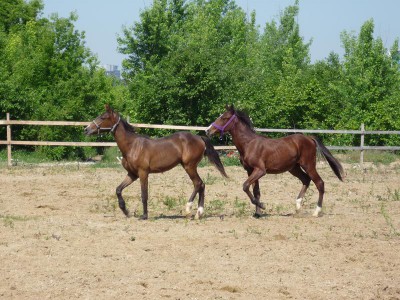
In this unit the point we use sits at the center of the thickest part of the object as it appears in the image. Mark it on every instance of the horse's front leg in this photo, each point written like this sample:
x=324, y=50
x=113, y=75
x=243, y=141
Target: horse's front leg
x=257, y=195
x=256, y=191
x=144, y=179
x=253, y=178
x=127, y=181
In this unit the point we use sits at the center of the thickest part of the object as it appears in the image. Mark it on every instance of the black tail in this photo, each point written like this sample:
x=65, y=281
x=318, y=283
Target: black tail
x=333, y=162
x=213, y=156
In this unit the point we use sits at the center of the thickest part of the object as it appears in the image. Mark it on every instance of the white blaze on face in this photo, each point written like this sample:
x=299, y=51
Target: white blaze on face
x=208, y=128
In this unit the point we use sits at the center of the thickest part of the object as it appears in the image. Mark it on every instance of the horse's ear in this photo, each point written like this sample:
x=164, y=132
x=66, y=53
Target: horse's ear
x=108, y=108
x=229, y=107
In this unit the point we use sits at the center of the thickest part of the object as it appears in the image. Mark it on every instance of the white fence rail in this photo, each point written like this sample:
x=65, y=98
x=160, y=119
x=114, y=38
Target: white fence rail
x=9, y=142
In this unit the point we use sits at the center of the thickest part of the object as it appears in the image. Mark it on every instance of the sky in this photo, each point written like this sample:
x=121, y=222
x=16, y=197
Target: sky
x=321, y=21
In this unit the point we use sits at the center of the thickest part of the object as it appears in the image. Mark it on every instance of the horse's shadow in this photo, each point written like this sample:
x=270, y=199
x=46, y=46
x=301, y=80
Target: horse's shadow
x=223, y=216
x=169, y=217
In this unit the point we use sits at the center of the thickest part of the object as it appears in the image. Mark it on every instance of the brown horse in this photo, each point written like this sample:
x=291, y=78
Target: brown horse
x=260, y=155
x=142, y=156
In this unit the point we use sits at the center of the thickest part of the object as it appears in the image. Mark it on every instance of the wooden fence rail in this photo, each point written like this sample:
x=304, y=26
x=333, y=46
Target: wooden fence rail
x=9, y=142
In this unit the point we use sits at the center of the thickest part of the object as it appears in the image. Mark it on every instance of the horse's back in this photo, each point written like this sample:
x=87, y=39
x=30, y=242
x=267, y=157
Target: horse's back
x=279, y=155
x=180, y=147
x=192, y=147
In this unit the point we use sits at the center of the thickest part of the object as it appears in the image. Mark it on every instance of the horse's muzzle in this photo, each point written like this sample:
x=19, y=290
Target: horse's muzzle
x=209, y=131
x=88, y=130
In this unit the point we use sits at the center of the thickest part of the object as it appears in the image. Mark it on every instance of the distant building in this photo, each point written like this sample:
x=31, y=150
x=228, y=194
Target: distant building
x=112, y=70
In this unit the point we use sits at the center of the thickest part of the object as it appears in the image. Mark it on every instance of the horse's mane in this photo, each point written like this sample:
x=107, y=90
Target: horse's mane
x=245, y=119
x=128, y=127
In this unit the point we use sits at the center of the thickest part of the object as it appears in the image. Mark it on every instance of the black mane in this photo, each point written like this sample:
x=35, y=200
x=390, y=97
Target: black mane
x=128, y=127
x=245, y=119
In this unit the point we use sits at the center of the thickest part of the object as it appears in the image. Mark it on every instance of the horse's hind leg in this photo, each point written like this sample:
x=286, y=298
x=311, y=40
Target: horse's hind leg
x=198, y=187
x=127, y=181
x=319, y=183
x=305, y=180
x=144, y=186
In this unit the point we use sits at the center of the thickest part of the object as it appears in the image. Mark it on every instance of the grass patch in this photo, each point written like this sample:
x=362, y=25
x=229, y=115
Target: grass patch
x=170, y=202
x=22, y=156
x=227, y=161
x=376, y=157
x=216, y=206
x=109, y=205
x=9, y=220
x=173, y=202
x=240, y=207
x=389, y=222
x=209, y=179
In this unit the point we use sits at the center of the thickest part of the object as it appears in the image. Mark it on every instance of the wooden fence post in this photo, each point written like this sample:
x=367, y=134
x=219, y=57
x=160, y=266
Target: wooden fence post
x=9, y=142
x=362, y=144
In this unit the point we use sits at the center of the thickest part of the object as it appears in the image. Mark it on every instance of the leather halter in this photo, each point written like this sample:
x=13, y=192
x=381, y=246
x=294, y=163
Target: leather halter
x=111, y=129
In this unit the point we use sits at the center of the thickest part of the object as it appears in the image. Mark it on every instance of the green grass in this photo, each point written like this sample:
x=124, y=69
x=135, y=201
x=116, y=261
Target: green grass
x=216, y=206
x=9, y=220
x=210, y=179
x=109, y=157
x=392, y=229
x=240, y=207
x=171, y=202
x=374, y=156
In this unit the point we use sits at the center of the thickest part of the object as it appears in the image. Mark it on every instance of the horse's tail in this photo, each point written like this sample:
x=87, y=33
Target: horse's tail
x=333, y=162
x=213, y=156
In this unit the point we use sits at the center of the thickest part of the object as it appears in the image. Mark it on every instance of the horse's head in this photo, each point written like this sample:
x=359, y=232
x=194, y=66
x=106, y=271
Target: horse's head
x=224, y=123
x=106, y=122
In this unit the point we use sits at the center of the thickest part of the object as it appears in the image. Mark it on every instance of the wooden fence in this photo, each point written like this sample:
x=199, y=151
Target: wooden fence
x=9, y=142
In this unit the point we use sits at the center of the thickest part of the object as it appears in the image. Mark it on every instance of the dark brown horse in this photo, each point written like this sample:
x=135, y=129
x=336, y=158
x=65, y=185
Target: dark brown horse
x=260, y=155
x=142, y=156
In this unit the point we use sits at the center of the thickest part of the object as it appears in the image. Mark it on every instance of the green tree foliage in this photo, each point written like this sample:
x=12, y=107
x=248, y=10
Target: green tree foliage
x=47, y=73
x=370, y=83
x=199, y=60
x=186, y=59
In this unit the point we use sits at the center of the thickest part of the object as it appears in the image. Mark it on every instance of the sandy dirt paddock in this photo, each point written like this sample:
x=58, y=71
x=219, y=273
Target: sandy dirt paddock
x=62, y=236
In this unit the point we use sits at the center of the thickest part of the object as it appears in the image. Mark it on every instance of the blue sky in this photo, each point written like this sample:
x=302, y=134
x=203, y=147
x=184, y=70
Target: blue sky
x=321, y=21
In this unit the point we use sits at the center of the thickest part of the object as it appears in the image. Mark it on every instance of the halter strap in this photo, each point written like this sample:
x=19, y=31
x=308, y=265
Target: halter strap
x=112, y=129
x=222, y=128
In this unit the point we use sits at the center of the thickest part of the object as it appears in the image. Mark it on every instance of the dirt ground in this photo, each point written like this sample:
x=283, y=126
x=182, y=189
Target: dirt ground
x=62, y=236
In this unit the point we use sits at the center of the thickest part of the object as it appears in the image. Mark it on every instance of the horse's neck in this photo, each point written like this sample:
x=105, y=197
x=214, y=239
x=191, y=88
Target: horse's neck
x=241, y=136
x=121, y=138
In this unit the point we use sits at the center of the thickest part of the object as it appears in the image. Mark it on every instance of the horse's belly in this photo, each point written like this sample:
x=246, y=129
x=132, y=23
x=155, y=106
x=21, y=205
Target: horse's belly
x=163, y=161
x=280, y=165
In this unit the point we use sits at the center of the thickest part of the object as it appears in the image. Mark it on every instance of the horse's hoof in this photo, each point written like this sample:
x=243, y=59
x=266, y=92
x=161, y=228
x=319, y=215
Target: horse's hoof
x=127, y=213
x=200, y=212
x=257, y=215
x=143, y=217
x=188, y=208
x=317, y=212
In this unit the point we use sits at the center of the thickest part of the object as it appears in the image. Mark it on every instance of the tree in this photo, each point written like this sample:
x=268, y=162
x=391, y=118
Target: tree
x=47, y=73
x=183, y=58
x=285, y=60
x=371, y=83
